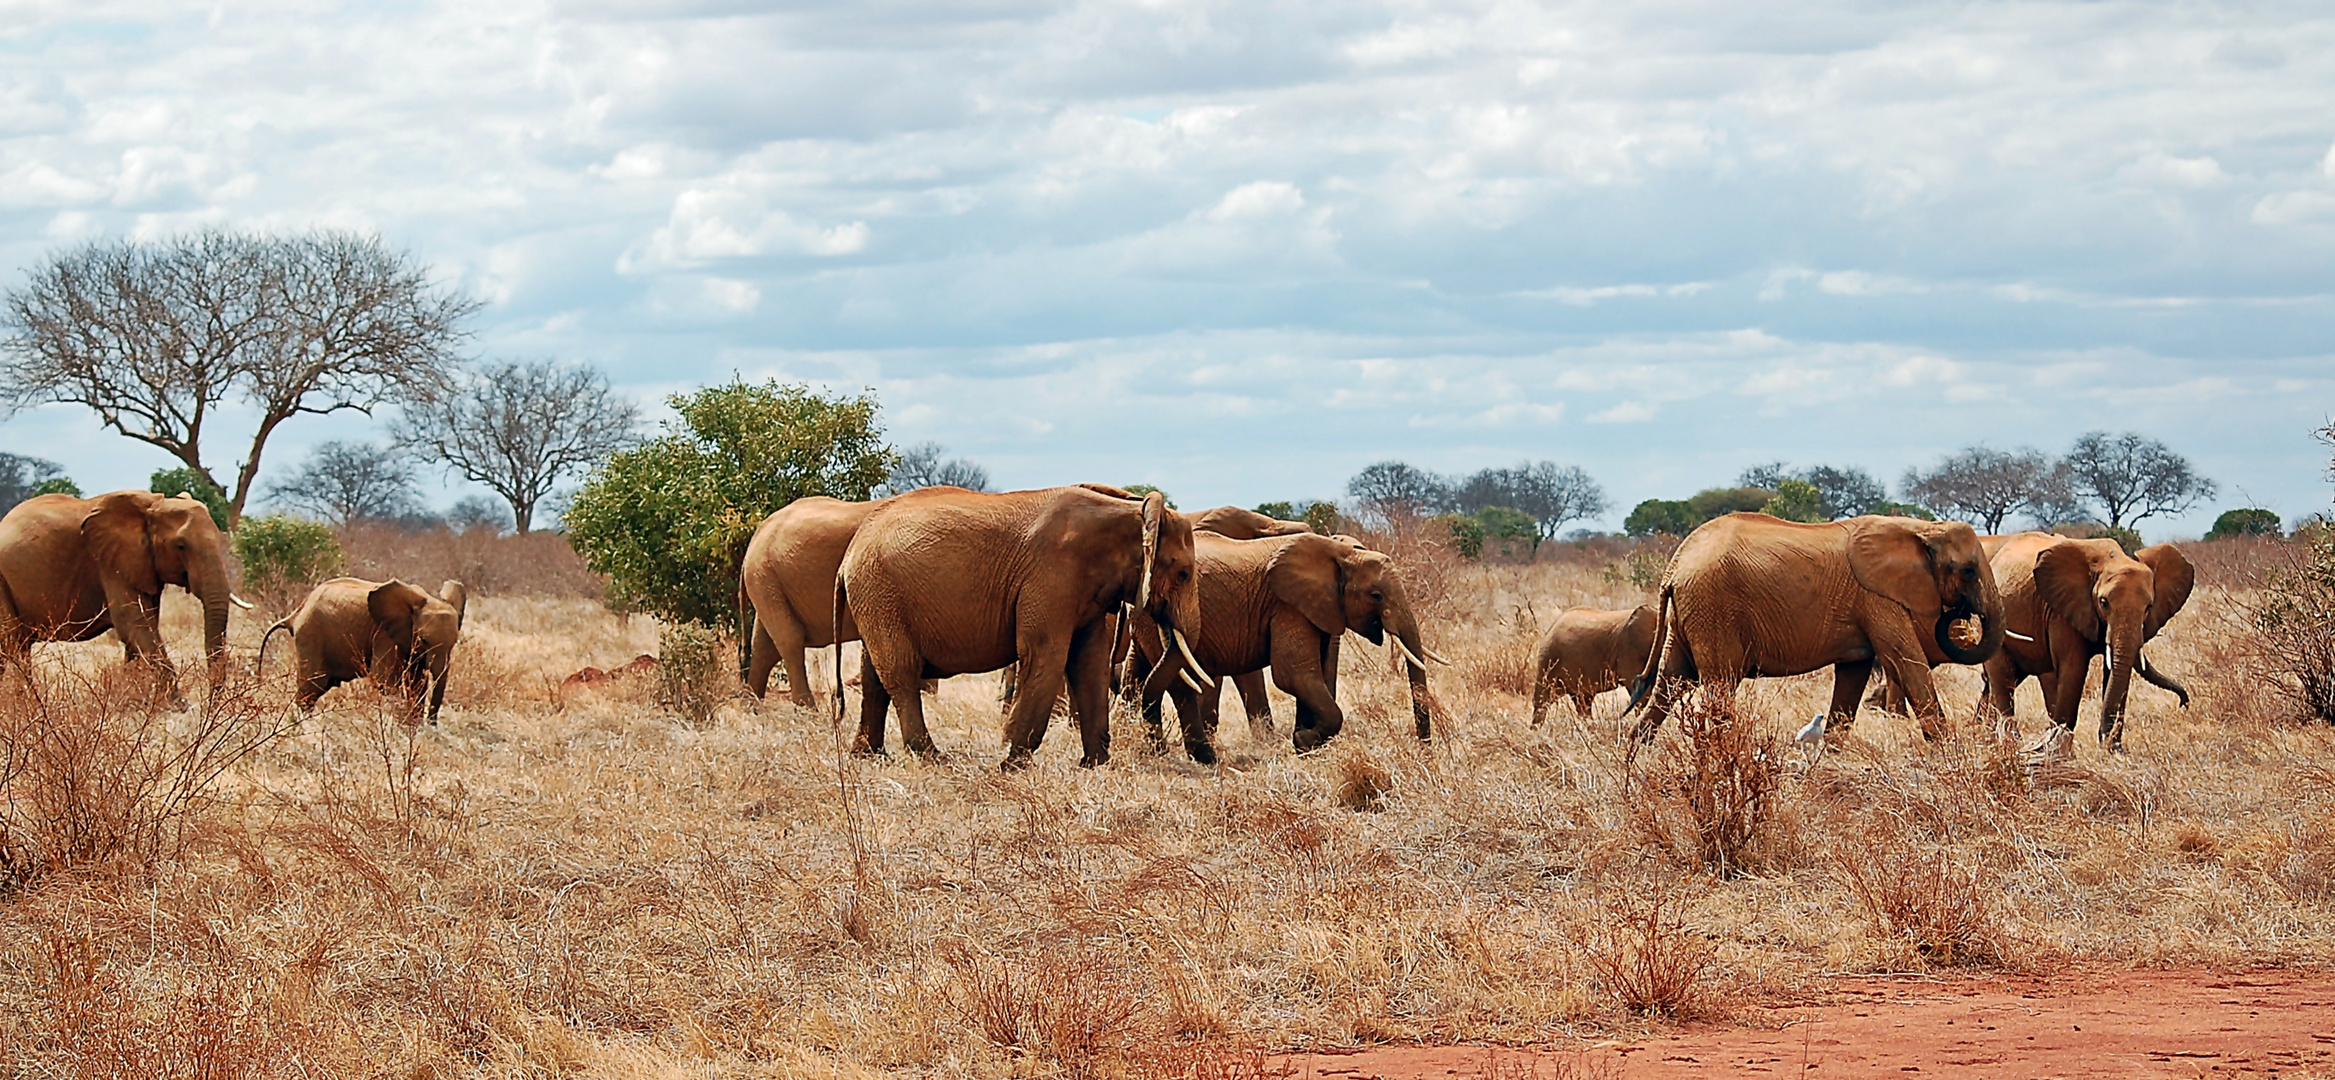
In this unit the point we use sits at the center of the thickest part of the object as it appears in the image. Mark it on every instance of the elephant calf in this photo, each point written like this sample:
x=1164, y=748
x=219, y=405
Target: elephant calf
x=1587, y=652
x=350, y=628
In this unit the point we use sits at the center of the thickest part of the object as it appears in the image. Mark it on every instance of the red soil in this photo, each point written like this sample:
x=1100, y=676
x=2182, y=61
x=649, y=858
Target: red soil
x=2098, y=1024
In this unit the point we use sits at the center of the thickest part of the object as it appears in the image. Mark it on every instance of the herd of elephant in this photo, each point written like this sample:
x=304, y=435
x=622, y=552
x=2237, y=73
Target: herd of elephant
x=1748, y=595
x=1079, y=589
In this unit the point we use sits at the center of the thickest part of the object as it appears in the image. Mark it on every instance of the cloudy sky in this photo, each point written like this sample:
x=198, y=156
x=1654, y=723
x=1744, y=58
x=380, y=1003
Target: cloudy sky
x=1241, y=249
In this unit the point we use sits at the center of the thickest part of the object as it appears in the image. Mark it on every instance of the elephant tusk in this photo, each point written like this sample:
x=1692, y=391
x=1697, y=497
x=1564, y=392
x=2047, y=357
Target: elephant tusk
x=240, y=602
x=1186, y=675
x=1395, y=642
x=1424, y=651
x=2017, y=636
x=1185, y=648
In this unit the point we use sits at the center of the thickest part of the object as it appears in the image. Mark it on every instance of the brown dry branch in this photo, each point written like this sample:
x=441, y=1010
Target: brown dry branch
x=1930, y=901
x=1645, y=958
x=1711, y=797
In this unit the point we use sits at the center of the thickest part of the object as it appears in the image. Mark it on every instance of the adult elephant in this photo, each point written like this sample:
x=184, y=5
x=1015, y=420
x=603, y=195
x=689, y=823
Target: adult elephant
x=2066, y=601
x=786, y=586
x=72, y=568
x=961, y=582
x=1748, y=595
x=1587, y=652
x=1240, y=523
x=1283, y=602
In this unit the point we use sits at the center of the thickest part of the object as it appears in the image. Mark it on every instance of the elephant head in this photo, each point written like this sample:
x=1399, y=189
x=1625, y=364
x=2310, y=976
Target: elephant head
x=1938, y=571
x=1341, y=586
x=423, y=629
x=144, y=541
x=1168, y=585
x=2116, y=603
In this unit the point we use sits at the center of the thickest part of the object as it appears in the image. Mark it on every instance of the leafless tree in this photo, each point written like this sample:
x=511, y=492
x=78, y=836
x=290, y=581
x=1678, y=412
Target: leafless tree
x=1392, y=490
x=519, y=427
x=156, y=336
x=21, y=478
x=922, y=466
x=344, y=482
x=1988, y=486
x=2131, y=476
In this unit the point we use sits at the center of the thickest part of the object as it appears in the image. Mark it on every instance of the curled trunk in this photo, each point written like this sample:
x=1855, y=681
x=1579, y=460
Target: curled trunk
x=1989, y=610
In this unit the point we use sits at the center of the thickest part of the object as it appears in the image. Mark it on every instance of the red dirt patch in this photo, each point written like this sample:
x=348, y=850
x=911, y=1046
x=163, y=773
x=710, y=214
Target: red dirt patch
x=2143, y=1023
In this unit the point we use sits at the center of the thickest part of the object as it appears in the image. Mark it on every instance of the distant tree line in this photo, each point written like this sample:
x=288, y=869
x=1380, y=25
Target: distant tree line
x=1532, y=499
x=2110, y=481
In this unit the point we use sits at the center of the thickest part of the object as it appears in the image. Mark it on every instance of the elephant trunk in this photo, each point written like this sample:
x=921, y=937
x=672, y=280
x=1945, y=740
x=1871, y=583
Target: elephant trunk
x=1404, y=625
x=208, y=581
x=2122, y=657
x=1988, y=606
x=2157, y=677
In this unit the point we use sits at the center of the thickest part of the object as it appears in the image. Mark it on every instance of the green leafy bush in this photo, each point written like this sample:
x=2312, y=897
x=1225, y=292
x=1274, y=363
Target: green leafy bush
x=1140, y=490
x=62, y=485
x=1323, y=518
x=1284, y=510
x=283, y=555
x=1898, y=509
x=1718, y=502
x=1509, y=529
x=1467, y=534
x=193, y=482
x=2249, y=521
x=1796, y=500
x=1670, y=517
x=667, y=521
x=2128, y=539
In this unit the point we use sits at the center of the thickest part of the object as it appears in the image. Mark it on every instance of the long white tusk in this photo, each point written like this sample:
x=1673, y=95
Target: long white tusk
x=1186, y=675
x=1423, y=651
x=1395, y=641
x=2017, y=636
x=240, y=602
x=1186, y=649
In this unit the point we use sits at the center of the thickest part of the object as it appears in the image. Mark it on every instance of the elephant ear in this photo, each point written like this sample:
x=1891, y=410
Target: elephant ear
x=1308, y=574
x=1154, y=512
x=394, y=605
x=2175, y=578
x=115, y=533
x=453, y=593
x=2063, y=578
x=1893, y=560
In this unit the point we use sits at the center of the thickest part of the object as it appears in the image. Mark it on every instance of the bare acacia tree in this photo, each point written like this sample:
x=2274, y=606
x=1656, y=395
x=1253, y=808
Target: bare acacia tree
x=21, y=478
x=519, y=427
x=344, y=482
x=1551, y=494
x=1392, y=490
x=2131, y=476
x=156, y=336
x=922, y=466
x=1988, y=486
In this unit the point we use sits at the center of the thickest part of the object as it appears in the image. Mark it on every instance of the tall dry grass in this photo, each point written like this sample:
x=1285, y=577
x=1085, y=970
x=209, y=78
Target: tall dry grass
x=596, y=885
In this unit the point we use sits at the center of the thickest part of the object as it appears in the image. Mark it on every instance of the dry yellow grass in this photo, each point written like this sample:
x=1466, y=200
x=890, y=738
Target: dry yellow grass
x=592, y=887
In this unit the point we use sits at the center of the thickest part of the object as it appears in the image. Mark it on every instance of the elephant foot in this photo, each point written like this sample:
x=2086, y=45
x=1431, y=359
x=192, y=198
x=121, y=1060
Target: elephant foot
x=1307, y=740
x=1201, y=752
x=1016, y=760
x=863, y=750
x=1095, y=760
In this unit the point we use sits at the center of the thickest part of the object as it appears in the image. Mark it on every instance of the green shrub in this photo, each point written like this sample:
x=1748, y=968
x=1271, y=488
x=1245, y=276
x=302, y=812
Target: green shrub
x=1467, y=534
x=1509, y=529
x=1898, y=509
x=193, y=482
x=1718, y=502
x=283, y=555
x=1796, y=500
x=1285, y=511
x=62, y=485
x=667, y=521
x=1670, y=517
x=2249, y=521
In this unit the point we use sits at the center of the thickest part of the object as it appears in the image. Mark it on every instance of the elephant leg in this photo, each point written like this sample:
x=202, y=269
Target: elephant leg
x=1583, y=701
x=875, y=706
x=1298, y=670
x=1043, y=670
x=1678, y=665
x=1200, y=722
x=1089, y=671
x=1544, y=690
x=1254, y=704
x=1848, y=685
x=1998, y=696
x=761, y=656
x=312, y=685
x=1898, y=651
x=2063, y=693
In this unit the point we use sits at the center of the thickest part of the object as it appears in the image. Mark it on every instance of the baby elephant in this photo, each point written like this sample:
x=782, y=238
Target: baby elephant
x=349, y=628
x=1587, y=652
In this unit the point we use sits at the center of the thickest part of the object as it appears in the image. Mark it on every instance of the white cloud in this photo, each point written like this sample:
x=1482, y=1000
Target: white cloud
x=2188, y=172
x=1628, y=412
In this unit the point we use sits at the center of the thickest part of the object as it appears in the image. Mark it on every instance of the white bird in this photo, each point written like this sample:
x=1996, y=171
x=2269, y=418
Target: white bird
x=1813, y=733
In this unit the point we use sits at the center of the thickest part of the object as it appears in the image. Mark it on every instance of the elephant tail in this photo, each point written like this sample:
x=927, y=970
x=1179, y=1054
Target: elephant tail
x=746, y=628
x=1645, y=680
x=260, y=666
x=841, y=606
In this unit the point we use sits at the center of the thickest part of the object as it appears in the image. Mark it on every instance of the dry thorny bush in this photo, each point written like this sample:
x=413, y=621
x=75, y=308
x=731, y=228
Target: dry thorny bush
x=587, y=885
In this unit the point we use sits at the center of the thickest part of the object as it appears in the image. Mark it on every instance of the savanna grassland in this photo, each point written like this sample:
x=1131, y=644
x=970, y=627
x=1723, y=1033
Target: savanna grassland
x=579, y=883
